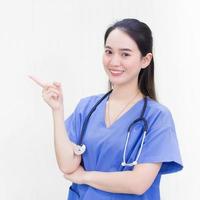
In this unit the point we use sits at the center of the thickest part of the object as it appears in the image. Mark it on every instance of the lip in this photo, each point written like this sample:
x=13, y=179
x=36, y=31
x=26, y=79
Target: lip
x=115, y=72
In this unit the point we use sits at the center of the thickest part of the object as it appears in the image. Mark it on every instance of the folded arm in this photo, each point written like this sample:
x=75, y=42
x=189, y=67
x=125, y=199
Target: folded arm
x=129, y=182
x=136, y=181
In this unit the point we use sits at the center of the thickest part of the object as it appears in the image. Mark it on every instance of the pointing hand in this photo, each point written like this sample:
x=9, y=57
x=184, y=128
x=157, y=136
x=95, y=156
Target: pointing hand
x=51, y=93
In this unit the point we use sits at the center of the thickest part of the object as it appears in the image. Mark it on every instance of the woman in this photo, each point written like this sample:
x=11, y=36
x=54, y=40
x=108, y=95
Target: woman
x=119, y=162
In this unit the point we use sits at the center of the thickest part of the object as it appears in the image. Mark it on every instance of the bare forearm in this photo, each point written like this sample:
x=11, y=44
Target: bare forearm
x=66, y=159
x=117, y=182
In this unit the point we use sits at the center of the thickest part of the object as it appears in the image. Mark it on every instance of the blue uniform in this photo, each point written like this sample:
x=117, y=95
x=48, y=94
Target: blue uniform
x=105, y=146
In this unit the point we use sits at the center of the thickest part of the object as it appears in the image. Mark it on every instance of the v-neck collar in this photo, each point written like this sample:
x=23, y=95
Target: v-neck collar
x=122, y=117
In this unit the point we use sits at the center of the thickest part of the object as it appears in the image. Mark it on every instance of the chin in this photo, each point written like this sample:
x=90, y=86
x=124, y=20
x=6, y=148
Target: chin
x=121, y=82
x=117, y=83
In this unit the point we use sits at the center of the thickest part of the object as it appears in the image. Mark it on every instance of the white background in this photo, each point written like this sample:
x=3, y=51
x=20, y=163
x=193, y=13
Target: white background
x=59, y=40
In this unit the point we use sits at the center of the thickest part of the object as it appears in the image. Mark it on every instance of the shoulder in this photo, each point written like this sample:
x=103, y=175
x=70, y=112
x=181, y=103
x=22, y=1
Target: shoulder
x=90, y=100
x=158, y=112
x=156, y=106
x=86, y=103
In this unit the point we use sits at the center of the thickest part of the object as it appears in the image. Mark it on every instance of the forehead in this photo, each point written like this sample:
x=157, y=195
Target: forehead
x=118, y=39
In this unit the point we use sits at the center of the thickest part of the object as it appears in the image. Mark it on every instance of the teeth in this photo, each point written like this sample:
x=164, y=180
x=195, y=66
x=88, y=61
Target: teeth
x=117, y=71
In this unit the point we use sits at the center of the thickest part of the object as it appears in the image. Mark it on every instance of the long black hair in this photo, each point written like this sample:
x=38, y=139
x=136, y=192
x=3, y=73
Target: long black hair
x=142, y=35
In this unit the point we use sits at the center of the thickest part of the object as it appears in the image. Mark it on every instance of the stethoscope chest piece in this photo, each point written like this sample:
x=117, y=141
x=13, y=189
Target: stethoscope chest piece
x=79, y=149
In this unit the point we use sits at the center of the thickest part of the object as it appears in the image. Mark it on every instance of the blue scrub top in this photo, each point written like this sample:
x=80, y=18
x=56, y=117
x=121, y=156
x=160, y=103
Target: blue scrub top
x=105, y=146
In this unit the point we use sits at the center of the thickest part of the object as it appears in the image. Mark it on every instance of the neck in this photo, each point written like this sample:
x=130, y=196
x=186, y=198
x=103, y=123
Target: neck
x=124, y=92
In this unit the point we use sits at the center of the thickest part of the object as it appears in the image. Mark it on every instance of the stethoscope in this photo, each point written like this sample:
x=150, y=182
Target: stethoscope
x=81, y=148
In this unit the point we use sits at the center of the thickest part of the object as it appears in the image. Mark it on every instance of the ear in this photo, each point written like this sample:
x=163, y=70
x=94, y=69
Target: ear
x=146, y=60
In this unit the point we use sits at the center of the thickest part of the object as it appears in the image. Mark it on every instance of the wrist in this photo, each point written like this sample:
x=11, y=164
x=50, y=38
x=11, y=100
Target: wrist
x=58, y=110
x=88, y=177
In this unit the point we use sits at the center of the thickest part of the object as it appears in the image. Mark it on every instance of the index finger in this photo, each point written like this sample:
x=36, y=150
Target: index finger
x=36, y=80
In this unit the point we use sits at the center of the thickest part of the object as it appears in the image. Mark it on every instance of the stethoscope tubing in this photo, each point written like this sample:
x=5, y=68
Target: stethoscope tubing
x=82, y=147
x=83, y=130
x=140, y=136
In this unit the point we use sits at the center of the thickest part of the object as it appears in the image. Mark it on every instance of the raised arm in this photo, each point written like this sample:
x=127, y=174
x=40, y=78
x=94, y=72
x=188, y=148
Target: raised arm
x=52, y=95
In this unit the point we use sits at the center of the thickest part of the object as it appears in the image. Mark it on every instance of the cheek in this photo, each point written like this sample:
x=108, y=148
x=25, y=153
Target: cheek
x=105, y=61
x=133, y=63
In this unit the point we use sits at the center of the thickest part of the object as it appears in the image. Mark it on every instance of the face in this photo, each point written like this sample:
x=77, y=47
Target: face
x=122, y=59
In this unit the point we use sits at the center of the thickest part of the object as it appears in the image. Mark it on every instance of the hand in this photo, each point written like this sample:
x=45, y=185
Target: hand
x=51, y=93
x=77, y=176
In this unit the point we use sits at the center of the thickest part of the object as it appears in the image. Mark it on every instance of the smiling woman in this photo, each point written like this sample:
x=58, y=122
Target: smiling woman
x=129, y=138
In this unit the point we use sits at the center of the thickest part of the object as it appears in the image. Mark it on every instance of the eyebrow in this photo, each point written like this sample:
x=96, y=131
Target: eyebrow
x=122, y=49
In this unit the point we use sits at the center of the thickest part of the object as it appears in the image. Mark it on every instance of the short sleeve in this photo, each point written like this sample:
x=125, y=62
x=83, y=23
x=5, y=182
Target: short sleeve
x=161, y=144
x=73, y=123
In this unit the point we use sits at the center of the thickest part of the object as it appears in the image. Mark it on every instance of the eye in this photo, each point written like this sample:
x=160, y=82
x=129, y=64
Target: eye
x=125, y=54
x=108, y=51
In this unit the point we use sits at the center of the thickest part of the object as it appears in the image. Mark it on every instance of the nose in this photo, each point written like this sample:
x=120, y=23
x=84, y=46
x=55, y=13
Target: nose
x=115, y=61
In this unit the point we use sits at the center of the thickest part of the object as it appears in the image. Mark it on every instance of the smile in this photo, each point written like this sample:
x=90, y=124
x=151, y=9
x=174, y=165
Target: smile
x=117, y=72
